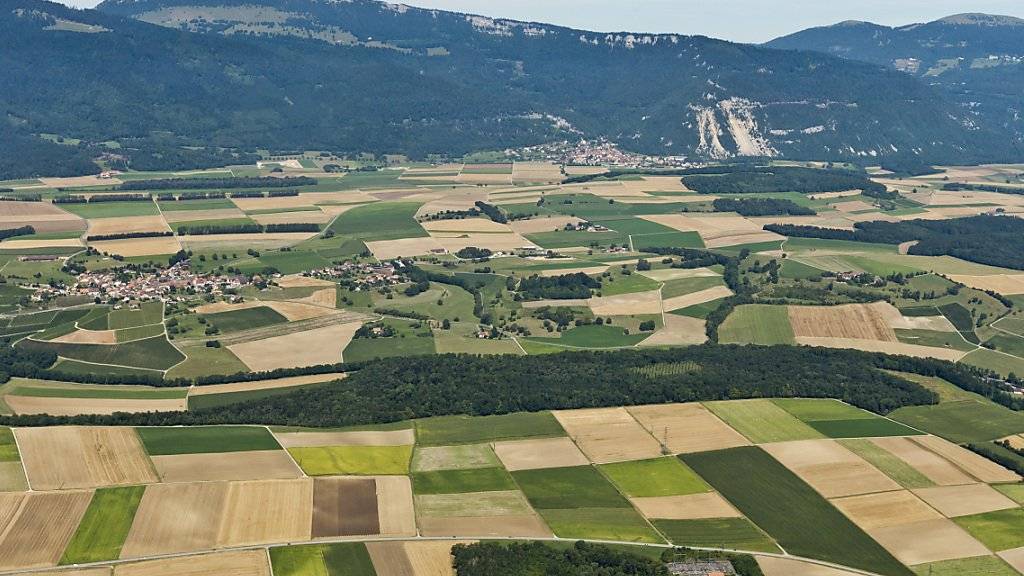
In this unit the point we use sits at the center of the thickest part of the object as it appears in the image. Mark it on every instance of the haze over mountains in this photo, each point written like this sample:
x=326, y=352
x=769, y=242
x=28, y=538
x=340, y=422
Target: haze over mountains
x=177, y=83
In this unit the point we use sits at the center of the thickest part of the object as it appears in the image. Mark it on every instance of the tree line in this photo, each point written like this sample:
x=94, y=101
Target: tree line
x=99, y=198
x=217, y=183
x=761, y=207
x=564, y=287
x=493, y=212
x=127, y=236
x=754, y=180
x=209, y=229
x=19, y=231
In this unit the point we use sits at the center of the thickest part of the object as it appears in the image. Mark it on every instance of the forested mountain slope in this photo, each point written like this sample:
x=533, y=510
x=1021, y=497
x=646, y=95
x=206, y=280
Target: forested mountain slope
x=977, y=59
x=366, y=76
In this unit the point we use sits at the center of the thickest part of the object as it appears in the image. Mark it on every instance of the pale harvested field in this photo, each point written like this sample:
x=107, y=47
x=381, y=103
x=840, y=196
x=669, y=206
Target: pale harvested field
x=252, y=465
x=455, y=241
x=774, y=566
x=1015, y=441
x=981, y=468
x=698, y=297
x=856, y=321
x=282, y=238
x=431, y=558
x=679, y=331
x=886, y=509
x=176, y=518
x=935, y=323
x=395, y=511
x=608, y=434
x=240, y=563
x=627, y=304
x=65, y=457
x=443, y=168
x=929, y=541
x=369, y=438
x=537, y=454
x=484, y=178
x=79, y=181
x=831, y=195
x=254, y=204
x=482, y=224
x=78, y=406
x=313, y=347
x=127, y=225
x=10, y=506
x=139, y=246
x=43, y=216
x=939, y=198
x=265, y=384
x=300, y=281
x=173, y=216
x=717, y=230
x=103, y=571
x=38, y=534
x=30, y=244
x=266, y=512
x=337, y=209
x=584, y=170
x=388, y=249
x=953, y=501
x=1005, y=284
x=89, y=337
x=481, y=504
x=314, y=306
x=666, y=274
x=934, y=467
x=305, y=217
x=689, y=507
x=1014, y=558
x=687, y=428
x=458, y=199
x=521, y=526
x=897, y=348
x=222, y=306
x=853, y=206
x=536, y=172
x=390, y=558
x=830, y=468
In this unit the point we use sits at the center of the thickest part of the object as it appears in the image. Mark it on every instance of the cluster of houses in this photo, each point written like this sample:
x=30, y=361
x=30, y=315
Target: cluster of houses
x=360, y=276
x=173, y=284
x=584, y=226
x=597, y=153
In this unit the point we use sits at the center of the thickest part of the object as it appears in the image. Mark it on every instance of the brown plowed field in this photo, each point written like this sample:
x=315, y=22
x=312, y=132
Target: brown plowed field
x=345, y=507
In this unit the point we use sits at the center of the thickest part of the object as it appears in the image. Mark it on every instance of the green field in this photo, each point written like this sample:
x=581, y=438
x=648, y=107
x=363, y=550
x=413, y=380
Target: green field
x=658, y=477
x=139, y=333
x=620, y=524
x=683, y=286
x=409, y=341
x=205, y=439
x=112, y=209
x=566, y=488
x=440, y=302
x=356, y=460
x=75, y=367
x=206, y=361
x=350, y=559
x=186, y=205
x=451, y=430
x=8, y=446
x=729, y=533
x=667, y=239
x=573, y=238
x=978, y=566
x=996, y=361
x=294, y=261
x=699, y=310
x=835, y=419
x=105, y=526
x=245, y=319
x=151, y=353
x=904, y=474
x=462, y=481
x=87, y=391
x=963, y=421
x=619, y=283
x=383, y=221
x=757, y=324
x=762, y=421
x=789, y=510
x=999, y=530
x=595, y=336
x=1014, y=492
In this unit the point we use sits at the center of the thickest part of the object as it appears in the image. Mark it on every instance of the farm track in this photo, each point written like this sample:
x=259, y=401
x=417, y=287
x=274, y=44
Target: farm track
x=341, y=317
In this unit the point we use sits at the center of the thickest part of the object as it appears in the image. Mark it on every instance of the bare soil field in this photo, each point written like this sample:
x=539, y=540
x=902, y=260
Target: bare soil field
x=240, y=563
x=388, y=249
x=935, y=323
x=43, y=216
x=304, y=217
x=89, y=337
x=857, y=321
x=369, y=438
x=627, y=304
x=251, y=465
x=981, y=468
x=933, y=466
x=689, y=507
x=953, y=501
x=139, y=246
x=608, y=435
x=312, y=347
x=265, y=384
x=687, y=428
x=698, y=297
x=521, y=526
x=1005, y=284
x=12, y=479
x=127, y=225
x=173, y=216
x=455, y=241
x=928, y=541
x=266, y=512
x=38, y=534
x=537, y=454
x=300, y=281
x=775, y=566
x=314, y=306
x=897, y=348
x=886, y=509
x=65, y=457
x=679, y=331
x=390, y=558
x=830, y=468
x=1014, y=558
x=345, y=507
x=852, y=206
x=483, y=224
x=78, y=406
x=176, y=518
x=31, y=244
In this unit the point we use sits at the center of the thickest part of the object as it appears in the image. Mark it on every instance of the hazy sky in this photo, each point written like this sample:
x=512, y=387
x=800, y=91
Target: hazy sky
x=738, y=20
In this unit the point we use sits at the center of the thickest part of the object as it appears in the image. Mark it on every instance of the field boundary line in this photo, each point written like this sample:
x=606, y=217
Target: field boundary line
x=21, y=461
x=101, y=364
x=290, y=457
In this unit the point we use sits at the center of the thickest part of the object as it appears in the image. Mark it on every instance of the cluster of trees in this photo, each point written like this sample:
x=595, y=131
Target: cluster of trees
x=491, y=211
x=128, y=235
x=992, y=240
x=474, y=253
x=397, y=389
x=20, y=197
x=761, y=207
x=283, y=193
x=959, y=186
x=217, y=183
x=564, y=287
x=534, y=558
x=100, y=198
x=28, y=156
x=417, y=274
x=156, y=154
x=375, y=330
x=184, y=196
x=208, y=229
x=453, y=215
x=743, y=179
x=19, y=231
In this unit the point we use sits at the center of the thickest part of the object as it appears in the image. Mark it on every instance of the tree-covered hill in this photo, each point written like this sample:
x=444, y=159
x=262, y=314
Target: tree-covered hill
x=366, y=76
